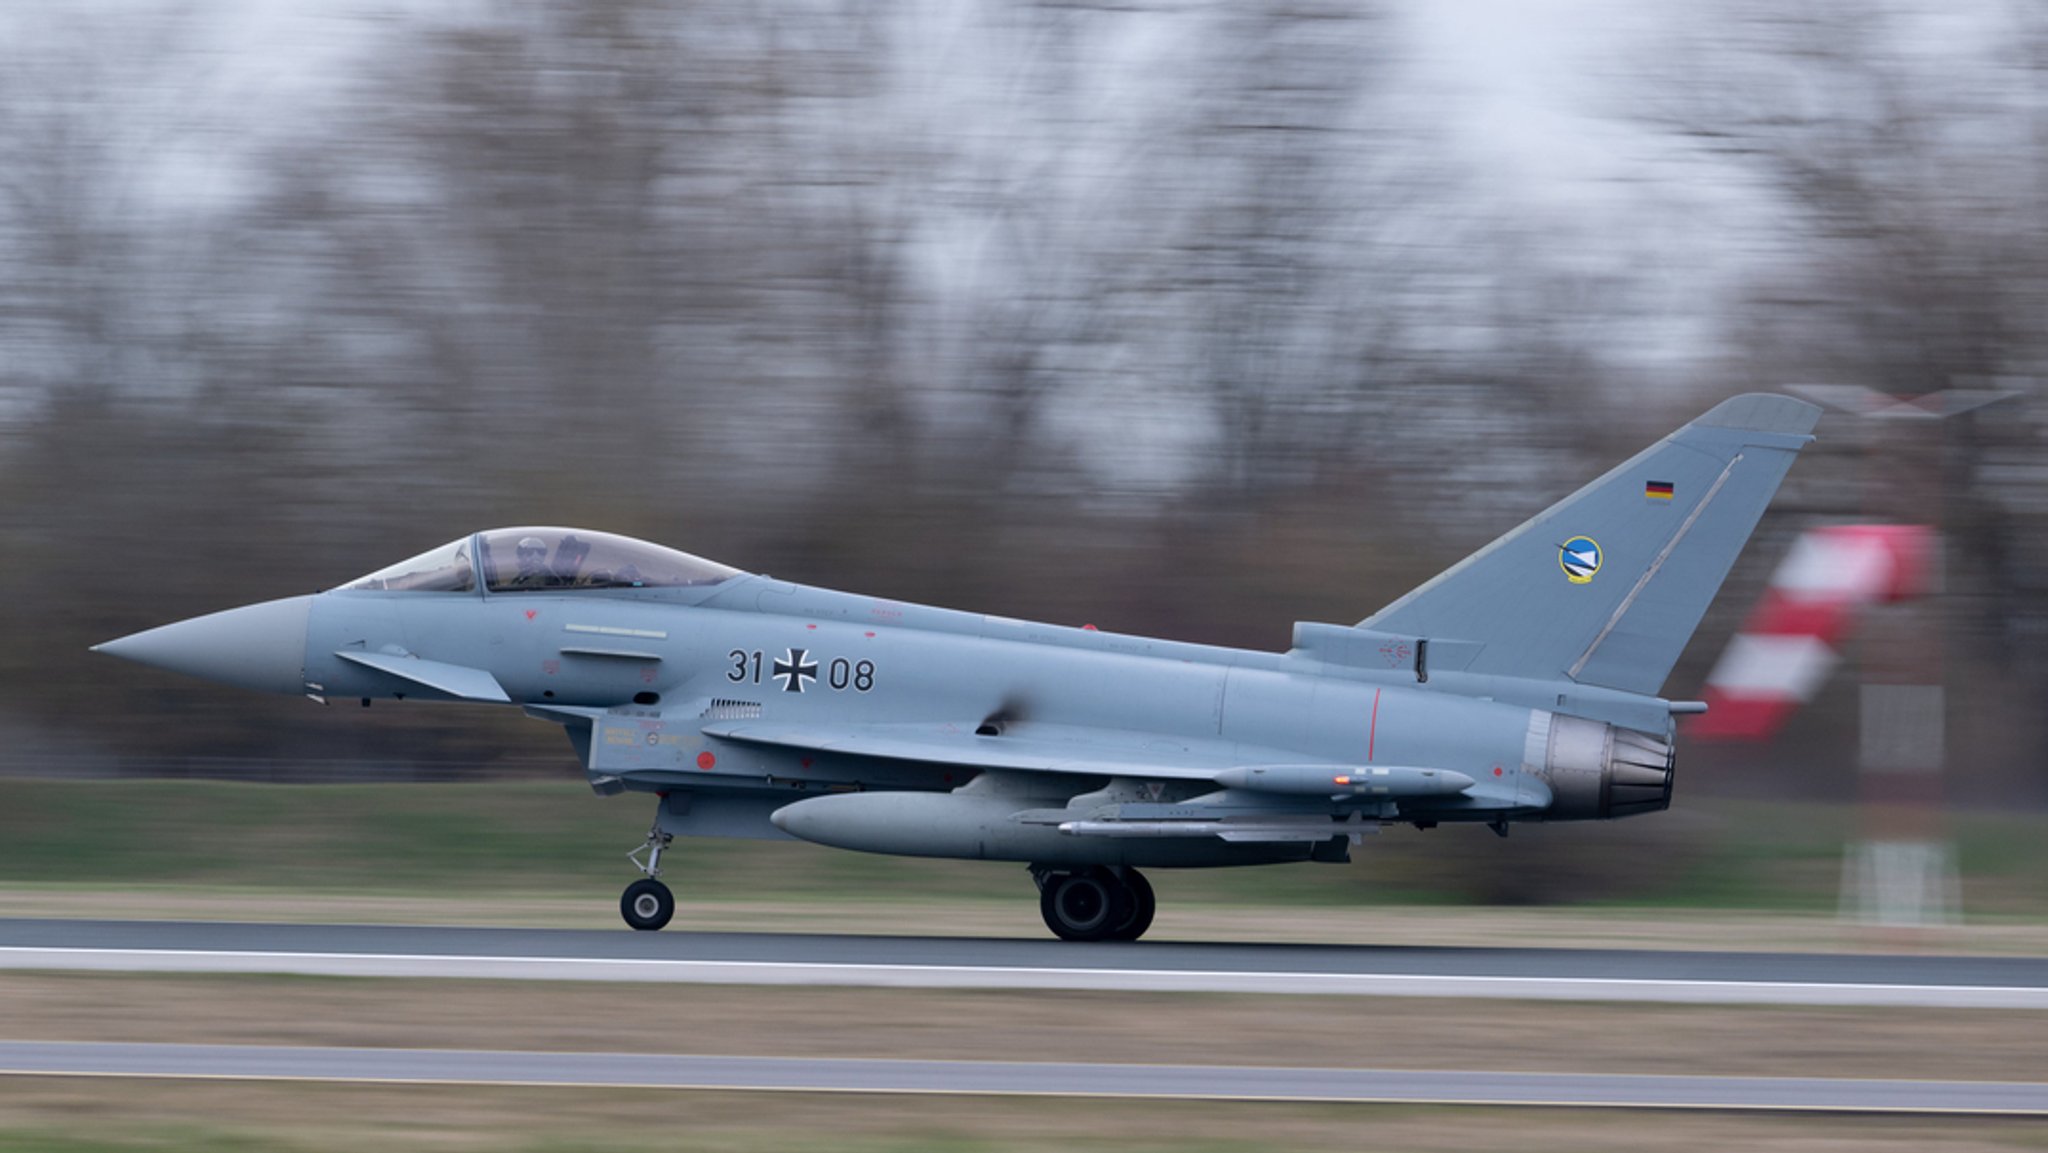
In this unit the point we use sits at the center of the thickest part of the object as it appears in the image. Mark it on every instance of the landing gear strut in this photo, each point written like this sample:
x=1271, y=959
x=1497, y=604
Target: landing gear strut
x=1095, y=904
x=647, y=904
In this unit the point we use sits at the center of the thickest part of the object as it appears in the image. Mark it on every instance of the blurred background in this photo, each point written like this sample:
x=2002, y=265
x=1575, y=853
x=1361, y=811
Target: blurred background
x=1181, y=319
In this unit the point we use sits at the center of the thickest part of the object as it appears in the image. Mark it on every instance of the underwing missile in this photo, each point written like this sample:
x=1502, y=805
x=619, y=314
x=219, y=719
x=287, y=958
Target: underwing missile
x=1323, y=780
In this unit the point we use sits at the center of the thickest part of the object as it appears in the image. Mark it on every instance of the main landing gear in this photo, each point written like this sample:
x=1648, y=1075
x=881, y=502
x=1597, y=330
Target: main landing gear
x=647, y=904
x=1095, y=904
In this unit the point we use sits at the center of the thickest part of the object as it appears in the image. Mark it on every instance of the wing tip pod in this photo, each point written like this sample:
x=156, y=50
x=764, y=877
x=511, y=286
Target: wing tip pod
x=1763, y=412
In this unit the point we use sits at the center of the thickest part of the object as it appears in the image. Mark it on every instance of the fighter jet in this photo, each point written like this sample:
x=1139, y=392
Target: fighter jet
x=1519, y=685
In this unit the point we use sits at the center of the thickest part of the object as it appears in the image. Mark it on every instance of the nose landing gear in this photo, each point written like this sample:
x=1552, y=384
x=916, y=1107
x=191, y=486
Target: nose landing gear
x=1095, y=904
x=647, y=904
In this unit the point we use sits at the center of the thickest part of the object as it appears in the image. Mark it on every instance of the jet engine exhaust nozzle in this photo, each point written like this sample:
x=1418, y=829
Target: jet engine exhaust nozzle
x=1599, y=771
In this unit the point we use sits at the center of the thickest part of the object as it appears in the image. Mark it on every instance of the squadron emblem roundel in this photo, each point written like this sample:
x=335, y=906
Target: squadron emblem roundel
x=1579, y=557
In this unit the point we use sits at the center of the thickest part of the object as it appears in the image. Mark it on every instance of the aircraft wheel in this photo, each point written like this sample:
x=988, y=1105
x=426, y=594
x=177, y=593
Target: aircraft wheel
x=1084, y=906
x=647, y=904
x=1141, y=904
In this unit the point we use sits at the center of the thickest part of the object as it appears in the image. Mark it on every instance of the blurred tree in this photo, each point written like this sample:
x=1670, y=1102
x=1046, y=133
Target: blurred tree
x=1186, y=320
x=1904, y=147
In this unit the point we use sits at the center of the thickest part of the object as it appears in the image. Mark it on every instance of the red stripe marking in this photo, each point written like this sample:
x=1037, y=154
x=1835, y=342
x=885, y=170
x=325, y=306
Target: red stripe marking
x=1372, y=733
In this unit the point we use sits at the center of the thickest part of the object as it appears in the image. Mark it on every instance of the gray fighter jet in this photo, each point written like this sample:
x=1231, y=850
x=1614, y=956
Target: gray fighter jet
x=1520, y=685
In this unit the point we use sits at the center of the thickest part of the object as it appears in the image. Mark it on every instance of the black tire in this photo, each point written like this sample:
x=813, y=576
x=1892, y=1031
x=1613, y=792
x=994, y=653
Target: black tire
x=1142, y=905
x=1083, y=906
x=647, y=905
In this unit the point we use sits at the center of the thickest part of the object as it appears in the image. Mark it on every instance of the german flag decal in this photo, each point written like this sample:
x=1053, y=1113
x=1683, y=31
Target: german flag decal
x=1658, y=489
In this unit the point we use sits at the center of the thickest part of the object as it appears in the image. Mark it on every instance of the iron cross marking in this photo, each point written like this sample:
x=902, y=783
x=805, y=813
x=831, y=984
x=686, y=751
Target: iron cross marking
x=795, y=668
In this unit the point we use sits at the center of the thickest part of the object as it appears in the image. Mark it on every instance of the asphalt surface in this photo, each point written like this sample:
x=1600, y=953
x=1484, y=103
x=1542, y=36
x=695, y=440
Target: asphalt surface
x=1005, y=1078
x=960, y=962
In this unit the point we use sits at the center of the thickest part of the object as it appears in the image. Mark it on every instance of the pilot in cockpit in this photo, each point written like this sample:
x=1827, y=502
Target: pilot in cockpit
x=533, y=565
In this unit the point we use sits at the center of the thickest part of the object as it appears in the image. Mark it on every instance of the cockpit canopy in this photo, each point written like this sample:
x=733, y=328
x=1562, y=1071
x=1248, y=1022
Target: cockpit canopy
x=537, y=559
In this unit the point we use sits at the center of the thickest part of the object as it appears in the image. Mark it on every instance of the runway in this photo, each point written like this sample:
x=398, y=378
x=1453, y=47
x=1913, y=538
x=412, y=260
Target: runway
x=990, y=963
x=1010, y=1078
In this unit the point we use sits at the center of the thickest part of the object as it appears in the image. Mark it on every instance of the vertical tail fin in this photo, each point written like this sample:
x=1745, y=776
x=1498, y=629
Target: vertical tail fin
x=1606, y=586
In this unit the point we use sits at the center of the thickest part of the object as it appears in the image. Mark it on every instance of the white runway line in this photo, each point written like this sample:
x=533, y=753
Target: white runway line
x=1014, y=1078
x=530, y=968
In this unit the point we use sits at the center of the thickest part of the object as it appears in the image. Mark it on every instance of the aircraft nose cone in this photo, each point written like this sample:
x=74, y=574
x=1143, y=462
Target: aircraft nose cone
x=260, y=647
